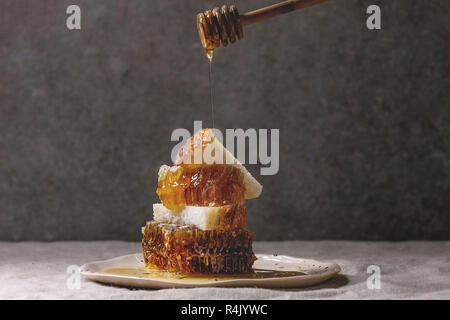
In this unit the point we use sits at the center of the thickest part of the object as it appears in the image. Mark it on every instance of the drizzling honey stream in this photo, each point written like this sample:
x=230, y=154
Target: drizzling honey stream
x=209, y=55
x=227, y=30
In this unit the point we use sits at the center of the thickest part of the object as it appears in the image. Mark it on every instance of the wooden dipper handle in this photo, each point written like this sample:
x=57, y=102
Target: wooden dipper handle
x=276, y=10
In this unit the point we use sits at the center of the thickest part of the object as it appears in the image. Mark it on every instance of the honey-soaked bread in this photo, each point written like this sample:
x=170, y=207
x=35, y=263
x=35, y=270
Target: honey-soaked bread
x=187, y=249
x=200, y=185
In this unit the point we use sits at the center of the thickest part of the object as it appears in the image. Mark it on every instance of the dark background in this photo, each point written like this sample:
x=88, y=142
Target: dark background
x=86, y=116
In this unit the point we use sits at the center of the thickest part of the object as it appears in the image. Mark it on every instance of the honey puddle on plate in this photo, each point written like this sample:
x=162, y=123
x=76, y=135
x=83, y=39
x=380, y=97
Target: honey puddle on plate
x=157, y=274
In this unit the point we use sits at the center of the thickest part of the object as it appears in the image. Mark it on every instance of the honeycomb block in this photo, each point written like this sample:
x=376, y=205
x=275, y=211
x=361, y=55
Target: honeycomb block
x=205, y=185
x=187, y=249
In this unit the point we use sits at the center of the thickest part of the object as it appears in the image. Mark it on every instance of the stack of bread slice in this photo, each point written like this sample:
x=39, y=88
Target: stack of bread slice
x=200, y=224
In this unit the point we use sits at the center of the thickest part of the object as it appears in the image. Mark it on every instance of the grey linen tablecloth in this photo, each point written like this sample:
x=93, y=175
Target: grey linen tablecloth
x=409, y=270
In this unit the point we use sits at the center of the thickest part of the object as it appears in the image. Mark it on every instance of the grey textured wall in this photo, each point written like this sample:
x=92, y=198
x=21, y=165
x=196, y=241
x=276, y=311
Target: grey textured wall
x=86, y=116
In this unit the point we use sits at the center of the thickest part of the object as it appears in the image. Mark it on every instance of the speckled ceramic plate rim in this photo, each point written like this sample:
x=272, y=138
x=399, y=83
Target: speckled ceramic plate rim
x=316, y=272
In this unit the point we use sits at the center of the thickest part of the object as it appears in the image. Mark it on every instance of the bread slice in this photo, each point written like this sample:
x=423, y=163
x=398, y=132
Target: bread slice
x=205, y=139
x=227, y=217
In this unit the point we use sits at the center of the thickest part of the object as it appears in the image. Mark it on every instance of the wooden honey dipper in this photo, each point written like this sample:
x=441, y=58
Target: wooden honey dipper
x=225, y=24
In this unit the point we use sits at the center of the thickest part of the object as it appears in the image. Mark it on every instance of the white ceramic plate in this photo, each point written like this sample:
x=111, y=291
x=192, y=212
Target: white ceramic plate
x=295, y=272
